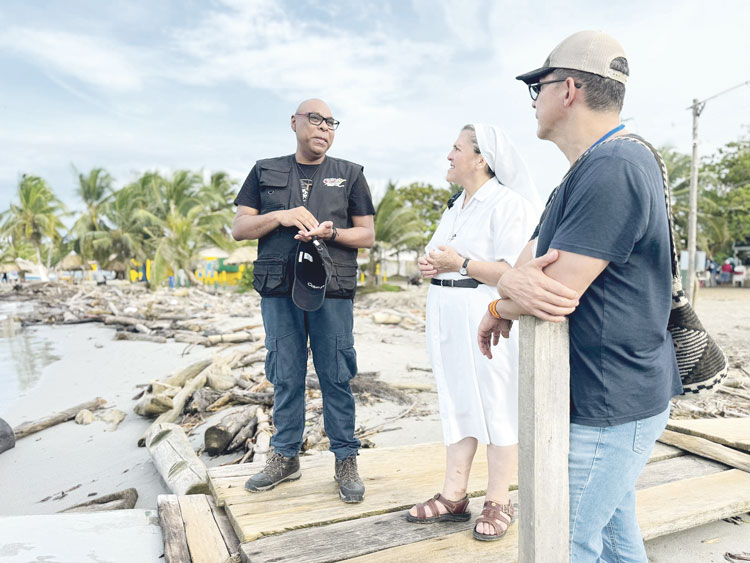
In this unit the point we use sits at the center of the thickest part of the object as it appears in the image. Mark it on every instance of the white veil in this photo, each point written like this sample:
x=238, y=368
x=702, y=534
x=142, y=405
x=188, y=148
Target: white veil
x=507, y=164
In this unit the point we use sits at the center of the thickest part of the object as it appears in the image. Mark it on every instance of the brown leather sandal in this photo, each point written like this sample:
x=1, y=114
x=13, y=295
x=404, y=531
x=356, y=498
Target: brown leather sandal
x=456, y=510
x=493, y=514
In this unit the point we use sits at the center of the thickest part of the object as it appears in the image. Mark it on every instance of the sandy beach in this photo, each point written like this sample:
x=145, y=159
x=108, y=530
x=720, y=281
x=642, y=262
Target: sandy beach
x=70, y=463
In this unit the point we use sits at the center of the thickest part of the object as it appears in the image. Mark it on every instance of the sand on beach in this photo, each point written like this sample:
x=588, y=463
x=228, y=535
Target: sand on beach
x=69, y=463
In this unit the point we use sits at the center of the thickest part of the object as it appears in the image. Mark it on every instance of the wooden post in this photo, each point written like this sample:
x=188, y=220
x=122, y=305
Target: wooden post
x=543, y=424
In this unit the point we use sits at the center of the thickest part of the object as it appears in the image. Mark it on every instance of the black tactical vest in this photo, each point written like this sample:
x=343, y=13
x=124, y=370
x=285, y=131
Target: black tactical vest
x=328, y=201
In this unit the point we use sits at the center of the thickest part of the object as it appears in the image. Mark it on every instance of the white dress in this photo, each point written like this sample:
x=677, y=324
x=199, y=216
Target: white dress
x=478, y=397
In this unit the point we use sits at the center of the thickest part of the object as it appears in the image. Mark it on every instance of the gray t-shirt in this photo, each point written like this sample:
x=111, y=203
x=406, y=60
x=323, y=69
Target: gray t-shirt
x=622, y=360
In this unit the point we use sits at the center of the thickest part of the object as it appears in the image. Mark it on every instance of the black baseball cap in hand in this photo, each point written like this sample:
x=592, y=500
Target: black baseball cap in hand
x=312, y=272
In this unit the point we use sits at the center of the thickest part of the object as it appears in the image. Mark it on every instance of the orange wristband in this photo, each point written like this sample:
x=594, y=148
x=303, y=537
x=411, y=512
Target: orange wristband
x=493, y=309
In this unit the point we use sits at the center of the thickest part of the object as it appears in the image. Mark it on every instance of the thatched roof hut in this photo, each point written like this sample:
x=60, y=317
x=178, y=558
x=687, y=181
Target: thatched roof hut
x=72, y=261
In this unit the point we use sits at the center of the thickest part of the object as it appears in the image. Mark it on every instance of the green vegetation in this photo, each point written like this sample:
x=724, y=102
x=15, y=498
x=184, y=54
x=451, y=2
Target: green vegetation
x=723, y=197
x=170, y=218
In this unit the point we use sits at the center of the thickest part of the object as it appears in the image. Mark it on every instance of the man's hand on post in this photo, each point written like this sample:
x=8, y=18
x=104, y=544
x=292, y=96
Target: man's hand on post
x=535, y=292
x=490, y=330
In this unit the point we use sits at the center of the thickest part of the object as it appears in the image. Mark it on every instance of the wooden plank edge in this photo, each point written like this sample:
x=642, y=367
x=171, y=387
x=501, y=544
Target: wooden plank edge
x=710, y=437
x=708, y=449
x=173, y=531
x=225, y=527
x=204, y=538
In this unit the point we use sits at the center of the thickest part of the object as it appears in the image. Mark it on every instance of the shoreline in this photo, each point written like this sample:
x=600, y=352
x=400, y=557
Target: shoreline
x=69, y=462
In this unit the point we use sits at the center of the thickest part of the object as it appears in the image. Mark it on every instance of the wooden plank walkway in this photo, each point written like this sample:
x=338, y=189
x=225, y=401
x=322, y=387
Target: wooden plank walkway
x=395, y=478
x=732, y=432
x=388, y=536
x=661, y=510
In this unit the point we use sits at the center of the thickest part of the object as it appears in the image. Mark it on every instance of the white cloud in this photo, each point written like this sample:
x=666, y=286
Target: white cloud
x=96, y=61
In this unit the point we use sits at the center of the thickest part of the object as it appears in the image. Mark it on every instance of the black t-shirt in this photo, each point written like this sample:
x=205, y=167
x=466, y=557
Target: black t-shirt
x=622, y=360
x=360, y=201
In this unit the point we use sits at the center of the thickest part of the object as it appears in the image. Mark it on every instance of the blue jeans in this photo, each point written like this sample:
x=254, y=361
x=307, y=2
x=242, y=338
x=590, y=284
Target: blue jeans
x=603, y=465
x=332, y=343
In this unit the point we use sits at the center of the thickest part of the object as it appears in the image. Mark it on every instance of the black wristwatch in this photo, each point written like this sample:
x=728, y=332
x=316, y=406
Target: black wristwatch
x=333, y=236
x=462, y=270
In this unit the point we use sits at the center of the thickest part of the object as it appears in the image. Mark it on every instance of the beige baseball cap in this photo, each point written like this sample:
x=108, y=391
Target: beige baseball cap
x=588, y=51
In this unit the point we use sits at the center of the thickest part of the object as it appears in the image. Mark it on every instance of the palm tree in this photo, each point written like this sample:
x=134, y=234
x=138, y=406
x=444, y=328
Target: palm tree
x=397, y=227
x=127, y=213
x=36, y=218
x=95, y=189
x=219, y=193
x=188, y=223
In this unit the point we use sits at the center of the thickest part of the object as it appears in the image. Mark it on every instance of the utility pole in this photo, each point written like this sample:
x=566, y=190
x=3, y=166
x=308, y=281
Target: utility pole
x=697, y=109
x=693, y=209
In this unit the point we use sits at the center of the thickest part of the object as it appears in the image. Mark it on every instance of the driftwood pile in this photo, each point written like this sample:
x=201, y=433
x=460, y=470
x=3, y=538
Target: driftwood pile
x=192, y=316
x=233, y=382
x=731, y=399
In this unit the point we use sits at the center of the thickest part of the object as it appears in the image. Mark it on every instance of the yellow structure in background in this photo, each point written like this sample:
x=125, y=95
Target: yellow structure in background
x=214, y=272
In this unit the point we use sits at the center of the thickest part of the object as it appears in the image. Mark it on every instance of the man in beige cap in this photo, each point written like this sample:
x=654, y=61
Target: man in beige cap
x=600, y=257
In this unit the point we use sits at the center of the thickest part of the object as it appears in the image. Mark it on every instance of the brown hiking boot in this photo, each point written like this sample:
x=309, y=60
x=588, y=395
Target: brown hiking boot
x=351, y=488
x=277, y=470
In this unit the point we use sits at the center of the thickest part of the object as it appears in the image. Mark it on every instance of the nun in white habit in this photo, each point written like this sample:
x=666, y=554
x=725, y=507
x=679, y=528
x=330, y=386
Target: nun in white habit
x=481, y=232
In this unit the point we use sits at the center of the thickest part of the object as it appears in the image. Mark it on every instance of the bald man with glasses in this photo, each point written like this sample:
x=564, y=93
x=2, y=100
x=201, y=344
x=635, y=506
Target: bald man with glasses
x=286, y=200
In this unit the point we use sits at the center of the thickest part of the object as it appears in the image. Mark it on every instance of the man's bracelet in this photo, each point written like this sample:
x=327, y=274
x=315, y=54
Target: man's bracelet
x=333, y=236
x=493, y=309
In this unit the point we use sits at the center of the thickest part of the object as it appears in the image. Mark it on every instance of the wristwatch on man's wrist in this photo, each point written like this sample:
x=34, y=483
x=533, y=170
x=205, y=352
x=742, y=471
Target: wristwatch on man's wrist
x=333, y=235
x=462, y=270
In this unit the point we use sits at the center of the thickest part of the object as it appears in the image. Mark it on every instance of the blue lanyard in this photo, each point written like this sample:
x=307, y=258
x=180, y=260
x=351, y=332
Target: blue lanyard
x=607, y=135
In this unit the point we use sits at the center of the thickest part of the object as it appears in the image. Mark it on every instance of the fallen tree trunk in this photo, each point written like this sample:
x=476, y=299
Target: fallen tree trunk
x=27, y=428
x=174, y=458
x=150, y=405
x=120, y=320
x=178, y=401
x=231, y=338
x=7, y=437
x=202, y=399
x=219, y=436
x=262, y=436
x=245, y=433
x=121, y=500
x=250, y=398
x=124, y=335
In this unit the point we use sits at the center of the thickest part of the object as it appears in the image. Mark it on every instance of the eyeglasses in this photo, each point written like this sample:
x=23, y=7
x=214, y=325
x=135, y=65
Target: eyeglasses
x=317, y=119
x=536, y=88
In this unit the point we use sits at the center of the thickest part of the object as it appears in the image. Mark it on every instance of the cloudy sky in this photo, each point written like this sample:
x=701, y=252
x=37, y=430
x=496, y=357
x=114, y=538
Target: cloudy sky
x=142, y=85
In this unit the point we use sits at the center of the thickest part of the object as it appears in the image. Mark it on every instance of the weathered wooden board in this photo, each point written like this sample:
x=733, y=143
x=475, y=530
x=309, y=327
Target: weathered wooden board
x=366, y=535
x=708, y=449
x=204, y=540
x=661, y=510
x=543, y=432
x=683, y=467
x=667, y=508
x=225, y=527
x=732, y=432
x=172, y=529
x=339, y=542
x=395, y=479
x=663, y=451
